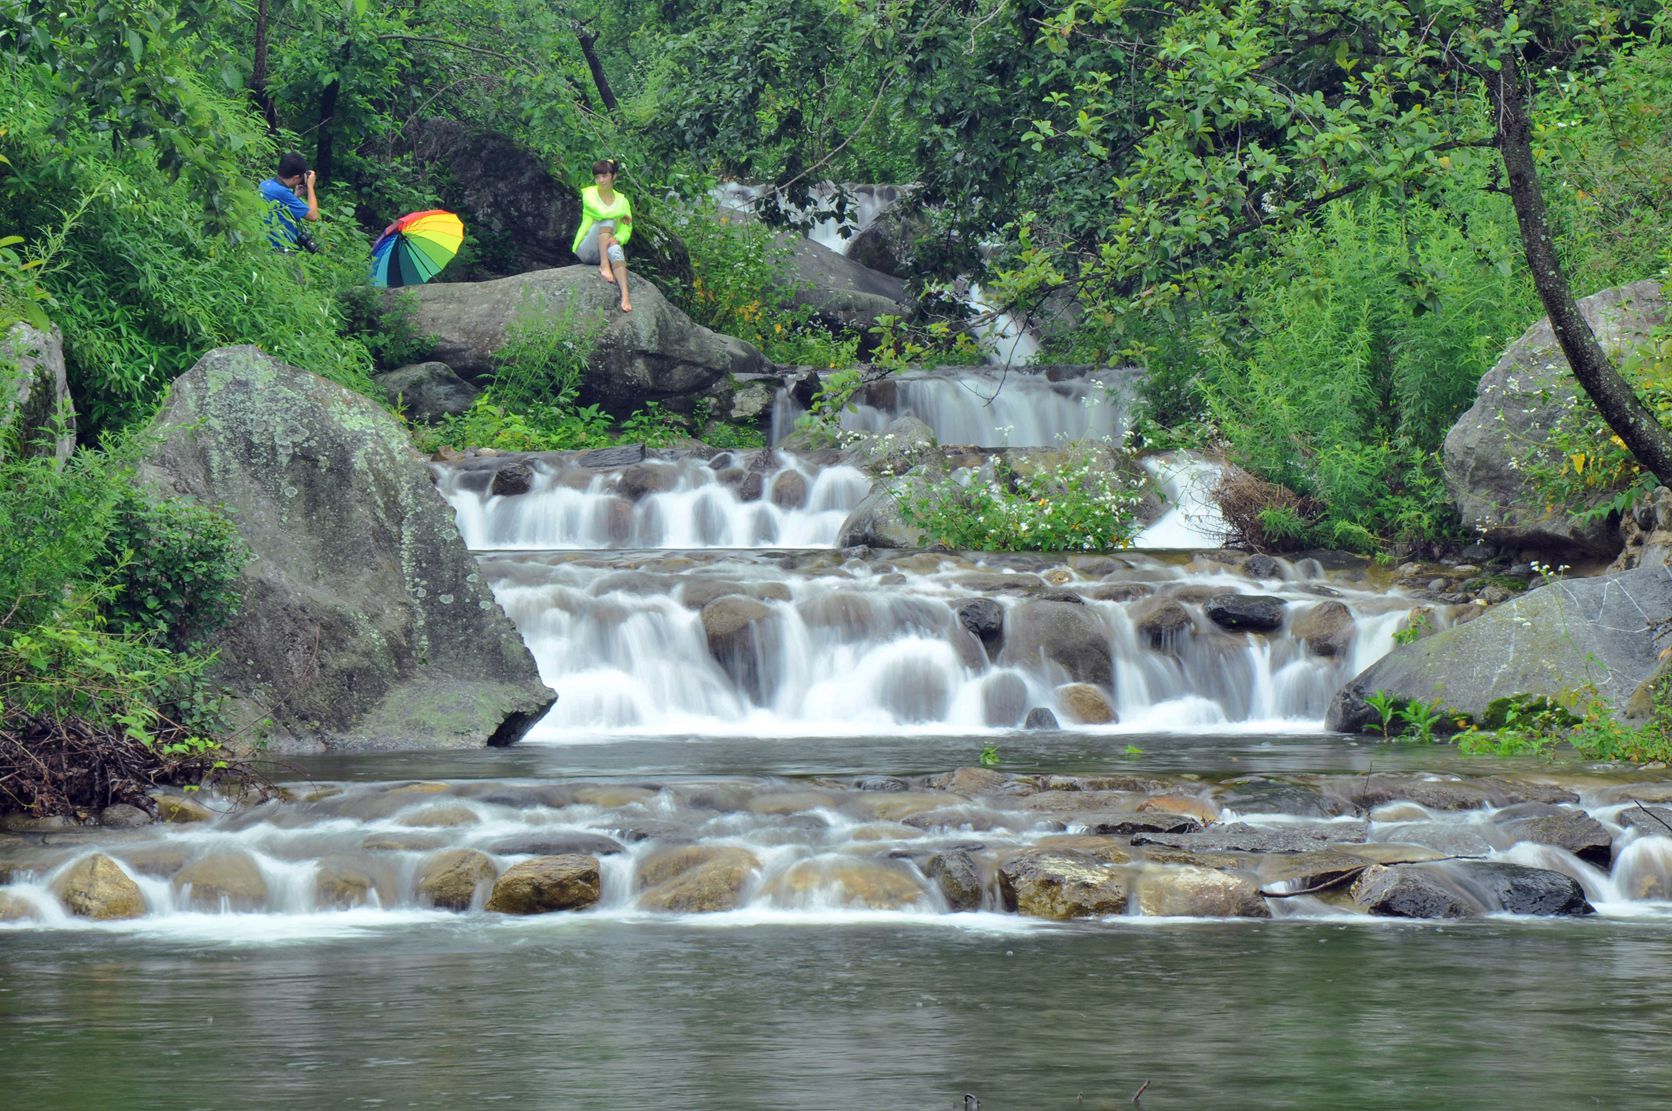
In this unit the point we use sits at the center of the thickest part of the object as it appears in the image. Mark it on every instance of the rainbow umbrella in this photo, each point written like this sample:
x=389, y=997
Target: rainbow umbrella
x=414, y=248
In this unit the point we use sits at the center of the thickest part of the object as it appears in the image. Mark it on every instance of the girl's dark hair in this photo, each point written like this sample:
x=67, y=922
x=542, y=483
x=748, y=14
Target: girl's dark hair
x=607, y=166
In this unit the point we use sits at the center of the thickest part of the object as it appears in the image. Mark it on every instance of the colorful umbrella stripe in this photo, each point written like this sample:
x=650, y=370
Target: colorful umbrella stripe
x=414, y=248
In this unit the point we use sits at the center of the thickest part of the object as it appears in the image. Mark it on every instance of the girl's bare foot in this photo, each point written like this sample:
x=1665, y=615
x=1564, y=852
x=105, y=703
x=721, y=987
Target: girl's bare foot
x=608, y=277
x=626, y=306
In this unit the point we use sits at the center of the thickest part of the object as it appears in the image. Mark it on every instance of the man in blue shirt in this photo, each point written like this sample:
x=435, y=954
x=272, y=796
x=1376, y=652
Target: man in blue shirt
x=285, y=208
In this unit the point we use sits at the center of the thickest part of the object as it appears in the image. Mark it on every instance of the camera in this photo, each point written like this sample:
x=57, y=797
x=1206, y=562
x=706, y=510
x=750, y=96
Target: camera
x=306, y=241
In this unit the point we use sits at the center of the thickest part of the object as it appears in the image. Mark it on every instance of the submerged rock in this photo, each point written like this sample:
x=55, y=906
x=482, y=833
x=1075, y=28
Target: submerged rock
x=742, y=635
x=696, y=879
x=1298, y=837
x=229, y=880
x=1191, y=892
x=1041, y=718
x=1062, y=634
x=845, y=882
x=958, y=877
x=15, y=908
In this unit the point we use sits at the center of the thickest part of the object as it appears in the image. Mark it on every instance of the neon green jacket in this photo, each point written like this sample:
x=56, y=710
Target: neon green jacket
x=593, y=210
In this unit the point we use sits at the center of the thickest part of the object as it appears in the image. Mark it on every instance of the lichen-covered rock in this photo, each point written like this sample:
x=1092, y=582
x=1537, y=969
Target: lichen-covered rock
x=958, y=877
x=97, y=887
x=1605, y=631
x=365, y=621
x=546, y=884
x=654, y=353
x=1518, y=401
x=450, y=879
x=35, y=392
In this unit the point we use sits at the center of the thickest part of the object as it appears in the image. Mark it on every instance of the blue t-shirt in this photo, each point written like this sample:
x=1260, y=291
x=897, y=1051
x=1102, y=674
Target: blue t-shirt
x=284, y=209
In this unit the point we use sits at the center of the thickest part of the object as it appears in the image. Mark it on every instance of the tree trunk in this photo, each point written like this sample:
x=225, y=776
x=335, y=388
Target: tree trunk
x=587, y=38
x=328, y=112
x=1625, y=415
x=258, y=72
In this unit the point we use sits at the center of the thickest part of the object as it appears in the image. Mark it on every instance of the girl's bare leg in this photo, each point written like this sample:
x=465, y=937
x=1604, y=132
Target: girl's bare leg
x=605, y=242
x=620, y=280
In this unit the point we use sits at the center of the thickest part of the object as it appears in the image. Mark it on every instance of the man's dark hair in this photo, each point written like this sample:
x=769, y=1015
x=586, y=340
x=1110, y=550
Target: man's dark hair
x=292, y=165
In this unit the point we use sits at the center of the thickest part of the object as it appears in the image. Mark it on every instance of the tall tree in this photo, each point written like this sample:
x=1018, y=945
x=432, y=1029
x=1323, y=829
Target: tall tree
x=1211, y=125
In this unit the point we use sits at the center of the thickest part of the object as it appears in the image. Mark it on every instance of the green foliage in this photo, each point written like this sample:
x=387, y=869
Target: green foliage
x=386, y=328
x=652, y=426
x=989, y=757
x=1086, y=502
x=98, y=587
x=1580, y=718
x=1418, y=626
x=544, y=358
x=1411, y=719
x=900, y=346
x=741, y=285
x=1385, y=706
x=538, y=427
x=176, y=570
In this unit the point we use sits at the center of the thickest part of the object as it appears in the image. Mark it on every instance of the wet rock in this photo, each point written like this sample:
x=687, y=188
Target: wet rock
x=1298, y=837
x=25, y=823
x=511, y=480
x=1061, y=884
x=229, y=879
x=972, y=782
x=1452, y=890
x=1204, y=812
x=1573, y=830
x=1262, y=567
x=153, y=860
x=697, y=593
x=880, y=783
x=1041, y=718
x=1120, y=592
x=173, y=807
x=556, y=844
x=97, y=887
x=343, y=883
x=741, y=634
x=1652, y=821
x=1326, y=629
x=984, y=618
x=608, y=458
x=15, y=908
x=958, y=877
x=449, y=879
x=950, y=819
x=1067, y=636
x=1251, y=613
x=1144, y=822
x=1407, y=892
x=1438, y=793
x=643, y=479
x=450, y=816
x=403, y=842
x=789, y=490
x=878, y=522
x=1187, y=892
x=897, y=448
x=1109, y=850
x=1162, y=622
x=1326, y=868
x=696, y=879
x=1004, y=700
x=122, y=816
x=1084, y=704
x=546, y=884
x=848, y=882
x=790, y=802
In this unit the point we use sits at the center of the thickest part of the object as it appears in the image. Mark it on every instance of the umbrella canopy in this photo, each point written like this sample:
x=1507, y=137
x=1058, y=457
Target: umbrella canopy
x=414, y=248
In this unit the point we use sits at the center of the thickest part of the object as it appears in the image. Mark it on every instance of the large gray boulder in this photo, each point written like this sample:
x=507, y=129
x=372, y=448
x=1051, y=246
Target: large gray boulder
x=365, y=622
x=878, y=521
x=654, y=353
x=841, y=292
x=1523, y=396
x=33, y=392
x=1606, y=631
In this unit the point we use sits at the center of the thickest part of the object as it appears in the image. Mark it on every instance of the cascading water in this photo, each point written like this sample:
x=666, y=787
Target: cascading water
x=991, y=408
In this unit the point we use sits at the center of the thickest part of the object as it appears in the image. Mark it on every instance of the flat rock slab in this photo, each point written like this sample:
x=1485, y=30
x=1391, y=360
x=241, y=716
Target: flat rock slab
x=1241, y=838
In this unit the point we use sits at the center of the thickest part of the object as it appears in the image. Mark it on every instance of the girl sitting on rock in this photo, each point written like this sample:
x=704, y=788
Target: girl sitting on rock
x=606, y=226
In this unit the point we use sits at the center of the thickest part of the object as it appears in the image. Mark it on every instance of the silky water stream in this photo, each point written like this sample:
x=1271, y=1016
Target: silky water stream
x=810, y=896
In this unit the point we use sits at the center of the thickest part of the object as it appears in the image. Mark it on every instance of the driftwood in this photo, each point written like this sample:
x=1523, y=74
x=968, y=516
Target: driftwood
x=1351, y=874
